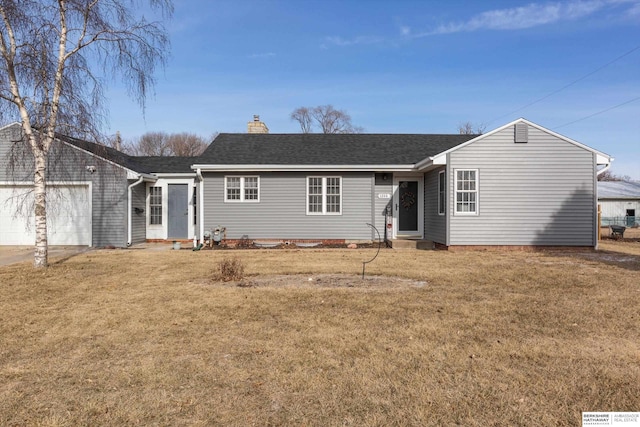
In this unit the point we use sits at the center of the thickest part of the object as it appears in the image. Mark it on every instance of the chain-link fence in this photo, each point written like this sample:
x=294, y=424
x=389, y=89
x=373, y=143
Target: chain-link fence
x=626, y=221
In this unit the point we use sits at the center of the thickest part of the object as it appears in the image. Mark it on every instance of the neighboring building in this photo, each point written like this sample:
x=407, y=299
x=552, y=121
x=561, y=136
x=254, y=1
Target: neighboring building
x=518, y=185
x=619, y=202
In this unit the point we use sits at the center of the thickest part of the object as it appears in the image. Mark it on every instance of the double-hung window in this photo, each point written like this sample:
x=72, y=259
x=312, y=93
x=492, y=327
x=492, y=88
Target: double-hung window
x=324, y=195
x=241, y=189
x=442, y=193
x=466, y=191
x=155, y=205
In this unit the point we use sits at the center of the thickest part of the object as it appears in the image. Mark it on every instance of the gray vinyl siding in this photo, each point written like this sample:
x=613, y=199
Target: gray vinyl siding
x=434, y=224
x=281, y=212
x=536, y=193
x=138, y=221
x=382, y=186
x=68, y=165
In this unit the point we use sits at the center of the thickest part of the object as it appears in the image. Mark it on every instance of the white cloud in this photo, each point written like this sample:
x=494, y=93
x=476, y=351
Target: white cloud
x=531, y=15
x=262, y=55
x=339, y=41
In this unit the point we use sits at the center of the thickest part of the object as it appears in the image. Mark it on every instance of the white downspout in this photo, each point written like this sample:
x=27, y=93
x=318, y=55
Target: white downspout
x=201, y=203
x=129, y=208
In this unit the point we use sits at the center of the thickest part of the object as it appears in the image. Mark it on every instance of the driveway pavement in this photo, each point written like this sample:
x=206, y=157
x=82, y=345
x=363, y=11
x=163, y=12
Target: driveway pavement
x=15, y=254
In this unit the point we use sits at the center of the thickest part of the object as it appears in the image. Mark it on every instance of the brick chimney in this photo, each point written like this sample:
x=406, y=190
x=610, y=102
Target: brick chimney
x=256, y=126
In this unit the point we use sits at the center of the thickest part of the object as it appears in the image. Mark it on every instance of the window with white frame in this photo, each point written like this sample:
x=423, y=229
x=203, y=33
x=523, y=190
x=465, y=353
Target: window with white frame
x=442, y=193
x=155, y=205
x=324, y=195
x=242, y=189
x=466, y=191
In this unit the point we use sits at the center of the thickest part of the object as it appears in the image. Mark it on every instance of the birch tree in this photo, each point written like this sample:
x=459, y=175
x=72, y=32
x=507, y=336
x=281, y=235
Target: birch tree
x=55, y=57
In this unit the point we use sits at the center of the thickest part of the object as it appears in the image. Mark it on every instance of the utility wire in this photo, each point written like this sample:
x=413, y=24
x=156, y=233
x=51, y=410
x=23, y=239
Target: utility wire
x=568, y=85
x=599, y=112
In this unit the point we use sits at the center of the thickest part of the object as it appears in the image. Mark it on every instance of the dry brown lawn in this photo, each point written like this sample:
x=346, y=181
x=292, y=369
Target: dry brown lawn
x=137, y=337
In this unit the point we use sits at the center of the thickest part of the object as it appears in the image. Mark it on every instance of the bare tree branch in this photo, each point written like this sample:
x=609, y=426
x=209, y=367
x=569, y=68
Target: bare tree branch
x=468, y=128
x=164, y=144
x=55, y=56
x=326, y=118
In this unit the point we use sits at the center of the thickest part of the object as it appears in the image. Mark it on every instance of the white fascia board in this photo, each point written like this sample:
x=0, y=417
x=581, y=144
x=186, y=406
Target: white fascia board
x=49, y=183
x=130, y=172
x=308, y=168
x=431, y=162
x=10, y=125
x=602, y=158
x=176, y=175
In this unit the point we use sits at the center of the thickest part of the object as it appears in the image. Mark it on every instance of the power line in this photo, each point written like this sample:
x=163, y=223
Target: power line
x=599, y=112
x=568, y=85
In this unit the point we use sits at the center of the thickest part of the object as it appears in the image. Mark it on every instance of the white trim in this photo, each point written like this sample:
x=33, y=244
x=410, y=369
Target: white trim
x=88, y=184
x=419, y=178
x=304, y=168
x=242, y=198
x=161, y=204
x=476, y=192
x=161, y=231
x=601, y=158
x=176, y=175
x=324, y=196
x=131, y=174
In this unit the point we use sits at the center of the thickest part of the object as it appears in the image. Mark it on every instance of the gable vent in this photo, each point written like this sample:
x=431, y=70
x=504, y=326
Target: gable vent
x=522, y=132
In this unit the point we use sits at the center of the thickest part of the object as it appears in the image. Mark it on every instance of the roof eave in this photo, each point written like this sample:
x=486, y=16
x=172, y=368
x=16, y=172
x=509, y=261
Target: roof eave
x=303, y=168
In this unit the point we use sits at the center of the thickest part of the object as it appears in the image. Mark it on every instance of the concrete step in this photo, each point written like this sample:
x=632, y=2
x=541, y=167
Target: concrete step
x=412, y=244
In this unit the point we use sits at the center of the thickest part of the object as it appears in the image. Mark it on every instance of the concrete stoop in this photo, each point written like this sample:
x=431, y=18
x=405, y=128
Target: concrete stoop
x=412, y=244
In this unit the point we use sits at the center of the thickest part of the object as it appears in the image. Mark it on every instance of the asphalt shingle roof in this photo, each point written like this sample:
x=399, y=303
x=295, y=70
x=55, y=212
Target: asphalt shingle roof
x=327, y=149
x=165, y=164
x=618, y=190
x=142, y=164
x=290, y=149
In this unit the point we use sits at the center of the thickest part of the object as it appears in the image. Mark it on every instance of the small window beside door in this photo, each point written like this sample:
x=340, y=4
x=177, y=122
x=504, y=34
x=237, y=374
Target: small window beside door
x=155, y=205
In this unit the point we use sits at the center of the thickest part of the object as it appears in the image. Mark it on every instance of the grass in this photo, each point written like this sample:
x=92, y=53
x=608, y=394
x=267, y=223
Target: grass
x=481, y=338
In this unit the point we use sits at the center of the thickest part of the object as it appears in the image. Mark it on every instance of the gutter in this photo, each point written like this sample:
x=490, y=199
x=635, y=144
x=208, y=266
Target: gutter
x=303, y=168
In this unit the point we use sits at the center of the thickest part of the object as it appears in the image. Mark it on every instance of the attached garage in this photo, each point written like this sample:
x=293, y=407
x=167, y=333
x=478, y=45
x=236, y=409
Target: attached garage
x=68, y=215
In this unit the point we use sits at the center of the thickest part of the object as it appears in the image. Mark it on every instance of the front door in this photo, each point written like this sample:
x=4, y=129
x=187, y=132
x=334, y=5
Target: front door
x=408, y=206
x=178, y=212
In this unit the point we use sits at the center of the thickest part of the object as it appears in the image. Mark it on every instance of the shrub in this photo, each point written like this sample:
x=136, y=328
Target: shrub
x=231, y=269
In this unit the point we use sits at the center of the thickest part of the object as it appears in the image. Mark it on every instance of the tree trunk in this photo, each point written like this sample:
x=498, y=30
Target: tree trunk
x=41, y=253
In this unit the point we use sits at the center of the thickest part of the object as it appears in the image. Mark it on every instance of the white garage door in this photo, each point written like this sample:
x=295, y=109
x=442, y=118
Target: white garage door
x=68, y=215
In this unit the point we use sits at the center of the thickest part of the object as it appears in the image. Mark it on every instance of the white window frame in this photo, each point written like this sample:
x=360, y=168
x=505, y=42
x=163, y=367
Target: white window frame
x=442, y=193
x=242, y=198
x=476, y=192
x=156, y=205
x=324, y=195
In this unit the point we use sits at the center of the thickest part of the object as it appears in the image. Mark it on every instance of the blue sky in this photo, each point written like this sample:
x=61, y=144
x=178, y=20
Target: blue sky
x=401, y=67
